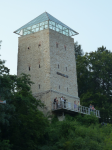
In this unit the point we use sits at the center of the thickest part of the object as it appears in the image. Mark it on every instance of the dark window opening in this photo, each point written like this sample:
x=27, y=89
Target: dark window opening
x=39, y=65
x=28, y=48
x=39, y=45
x=29, y=68
x=67, y=89
x=58, y=66
x=56, y=45
x=39, y=86
x=66, y=68
x=59, y=86
x=65, y=48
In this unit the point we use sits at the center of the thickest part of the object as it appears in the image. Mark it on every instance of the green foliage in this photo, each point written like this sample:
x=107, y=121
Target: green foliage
x=4, y=145
x=78, y=50
x=77, y=133
x=22, y=125
x=94, y=74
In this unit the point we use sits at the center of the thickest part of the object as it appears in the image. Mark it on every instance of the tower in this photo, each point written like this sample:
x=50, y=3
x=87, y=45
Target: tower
x=46, y=52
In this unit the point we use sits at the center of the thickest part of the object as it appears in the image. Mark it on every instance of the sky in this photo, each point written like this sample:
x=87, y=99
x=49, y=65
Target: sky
x=92, y=19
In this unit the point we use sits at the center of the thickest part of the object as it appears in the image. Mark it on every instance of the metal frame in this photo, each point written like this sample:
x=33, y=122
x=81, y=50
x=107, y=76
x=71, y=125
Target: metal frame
x=45, y=21
x=70, y=107
x=45, y=25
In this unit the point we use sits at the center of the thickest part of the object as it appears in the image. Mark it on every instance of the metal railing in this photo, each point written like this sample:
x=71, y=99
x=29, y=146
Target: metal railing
x=77, y=108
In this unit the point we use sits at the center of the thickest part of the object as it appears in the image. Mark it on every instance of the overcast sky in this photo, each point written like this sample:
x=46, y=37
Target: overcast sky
x=92, y=19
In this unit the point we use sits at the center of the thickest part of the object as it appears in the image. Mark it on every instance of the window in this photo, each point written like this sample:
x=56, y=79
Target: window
x=29, y=68
x=58, y=65
x=39, y=65
x=39, y=86
x=28, y=48
x=65, y=47
x=67, y=89
x=66, y=68
x=59, y=86
x=39, y=45
x=56, y=45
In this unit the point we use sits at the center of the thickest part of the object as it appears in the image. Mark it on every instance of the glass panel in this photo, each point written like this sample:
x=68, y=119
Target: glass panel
x=29, y=32
x=41, y=28
x=25, y=33
x=53, y=23
x=64, y=28
x=64, y=32
x=57, y=29
x=37, y=25
x=46, y=22
x=29, y=28
x=46, y=26
x=42, y=23
x=37, y=29
x=25, y=30
x=60, y=31
x=57, y=25
x=60, y=26
x=54, y=28
x=50, y=26
x=33, y=30
x=33, y=27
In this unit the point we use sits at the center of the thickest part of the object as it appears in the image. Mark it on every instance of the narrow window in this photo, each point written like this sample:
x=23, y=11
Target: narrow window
x=58, y=65
x=29, y=68
x=28, y=48
x=39, y=45
x=59, y=86
x=65, y=48
x=66, y=68
x=56, y=45
x=39, y=65
x=39, y=86
x=67, y=89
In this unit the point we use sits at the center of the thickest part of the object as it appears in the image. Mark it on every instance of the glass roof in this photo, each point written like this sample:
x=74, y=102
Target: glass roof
x=44, y=21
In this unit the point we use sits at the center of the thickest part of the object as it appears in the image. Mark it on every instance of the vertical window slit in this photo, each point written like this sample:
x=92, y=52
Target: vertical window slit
x=56, y=45
x=39, y=86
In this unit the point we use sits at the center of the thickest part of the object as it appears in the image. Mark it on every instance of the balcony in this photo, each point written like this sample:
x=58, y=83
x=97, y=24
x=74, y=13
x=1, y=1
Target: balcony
x=69, y=107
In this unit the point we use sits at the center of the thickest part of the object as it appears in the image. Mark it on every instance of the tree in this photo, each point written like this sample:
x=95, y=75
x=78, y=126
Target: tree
x=22, y=125
x=78, y=50
x=94, y=73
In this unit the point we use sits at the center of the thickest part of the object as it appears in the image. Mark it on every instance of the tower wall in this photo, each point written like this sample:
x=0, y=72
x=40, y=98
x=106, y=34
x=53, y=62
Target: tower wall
x=41, y=49
x=33, y=51
x=62, y=60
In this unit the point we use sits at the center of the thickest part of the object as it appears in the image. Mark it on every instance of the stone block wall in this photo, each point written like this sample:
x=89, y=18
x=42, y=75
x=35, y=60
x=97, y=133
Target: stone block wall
x=42, y=55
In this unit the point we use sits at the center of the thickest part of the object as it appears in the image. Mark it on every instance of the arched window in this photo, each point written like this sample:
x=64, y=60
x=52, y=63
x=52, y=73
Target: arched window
x=29, y=68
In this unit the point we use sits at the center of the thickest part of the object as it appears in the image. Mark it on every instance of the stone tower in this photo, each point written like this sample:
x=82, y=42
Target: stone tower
x=46, y=52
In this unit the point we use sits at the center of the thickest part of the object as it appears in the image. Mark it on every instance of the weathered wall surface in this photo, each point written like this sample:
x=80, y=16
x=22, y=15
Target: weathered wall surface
x=37, y=54
x=65, y=58
x=40, y=49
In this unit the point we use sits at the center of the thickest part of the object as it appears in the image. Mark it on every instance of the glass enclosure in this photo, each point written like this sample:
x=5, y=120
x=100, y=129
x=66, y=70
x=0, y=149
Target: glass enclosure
x=45, y=25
